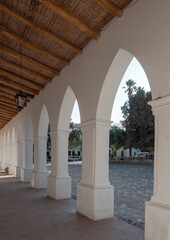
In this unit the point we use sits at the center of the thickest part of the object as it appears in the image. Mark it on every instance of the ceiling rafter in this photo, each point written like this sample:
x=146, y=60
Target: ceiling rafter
x=28, y=60
x=8, y=112
x=7, y=100
x=18, y=87
x=70, y=17
x=110, y=7
x=2, y=93
x=24, y=70
x=11, y=91
x=3, y=108
x=8, y=104
x=31, y=45
x=40, y=29
x=22, y=81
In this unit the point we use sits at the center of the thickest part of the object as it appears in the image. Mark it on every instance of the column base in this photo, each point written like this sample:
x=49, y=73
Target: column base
x=26, y=174
x=59, y=188
x=95, y=203
x=39, y=179
x=3, y=166
x=17, y=172
x=157, y=221
x=11, y=169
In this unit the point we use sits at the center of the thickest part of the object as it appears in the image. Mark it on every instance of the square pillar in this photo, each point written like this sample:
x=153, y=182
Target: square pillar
x=18, y=159
x=27, y=160
x=40, y=173
x=59, y=182
x=95, y=195
x=157, y=211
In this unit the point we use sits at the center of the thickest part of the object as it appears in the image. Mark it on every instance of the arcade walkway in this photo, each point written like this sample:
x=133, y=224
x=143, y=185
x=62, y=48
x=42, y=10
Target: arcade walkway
x=27, y=214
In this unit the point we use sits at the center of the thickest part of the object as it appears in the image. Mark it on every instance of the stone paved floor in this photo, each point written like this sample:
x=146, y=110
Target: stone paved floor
x=133, y=186
x=28, y=214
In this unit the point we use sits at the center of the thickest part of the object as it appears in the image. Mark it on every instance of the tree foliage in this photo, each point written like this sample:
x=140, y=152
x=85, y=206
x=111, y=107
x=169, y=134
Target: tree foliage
x=130, y=87
x=138, y=120
x=117, y=139
x=75, y=137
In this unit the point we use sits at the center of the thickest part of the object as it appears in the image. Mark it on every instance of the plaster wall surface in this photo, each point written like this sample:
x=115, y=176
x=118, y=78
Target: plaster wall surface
x=94, y=77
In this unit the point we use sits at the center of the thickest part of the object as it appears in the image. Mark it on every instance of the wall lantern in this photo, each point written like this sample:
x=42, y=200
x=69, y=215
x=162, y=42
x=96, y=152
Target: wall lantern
x=20, y=100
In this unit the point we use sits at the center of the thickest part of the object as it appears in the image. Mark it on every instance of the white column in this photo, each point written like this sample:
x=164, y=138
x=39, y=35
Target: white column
x=27, y=160
x=157, y=211
x=12, y=157
x=59, y=181
x=18, y=159
x=0, y=157
x=40, y=173
x=3, y=165
x=95, y=194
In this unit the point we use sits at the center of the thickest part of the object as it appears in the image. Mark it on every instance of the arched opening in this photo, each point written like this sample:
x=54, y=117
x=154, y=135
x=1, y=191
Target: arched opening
x=129, y=195
x=75, y=149
x=40, y=173
x=59, y=170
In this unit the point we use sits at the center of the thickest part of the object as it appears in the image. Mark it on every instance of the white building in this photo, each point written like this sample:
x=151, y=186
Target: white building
x=121, y=152
x=93, y=79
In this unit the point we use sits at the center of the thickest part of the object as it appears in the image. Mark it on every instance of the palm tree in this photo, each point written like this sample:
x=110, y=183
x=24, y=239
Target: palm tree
x=130, y=87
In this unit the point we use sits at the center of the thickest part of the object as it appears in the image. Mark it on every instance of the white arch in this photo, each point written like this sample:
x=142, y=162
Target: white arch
x=111, y=83
x=66, y=109
x=43, y=122
x=29, y=129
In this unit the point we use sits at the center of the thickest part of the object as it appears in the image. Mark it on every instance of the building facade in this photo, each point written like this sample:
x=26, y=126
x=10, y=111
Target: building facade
x=93, y=79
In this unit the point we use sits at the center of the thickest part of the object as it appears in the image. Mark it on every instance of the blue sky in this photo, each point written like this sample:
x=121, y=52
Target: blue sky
x=135, y=72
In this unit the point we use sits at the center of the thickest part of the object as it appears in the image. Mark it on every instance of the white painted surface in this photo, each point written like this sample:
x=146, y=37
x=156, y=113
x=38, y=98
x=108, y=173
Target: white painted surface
x=94, y=77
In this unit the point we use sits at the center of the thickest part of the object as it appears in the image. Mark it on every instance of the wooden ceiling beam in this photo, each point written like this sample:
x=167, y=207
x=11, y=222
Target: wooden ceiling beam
x=8, y=100
x=6, y=94
x=39, y=29
x=5, y=116
x=8, y=105
x=110, y=7
x=19, y=80
x=31, y=45
x=24, y=70
x=28, y=60
x=70, y=17
x=18, y=87
x=8, y=110
x=12, y=91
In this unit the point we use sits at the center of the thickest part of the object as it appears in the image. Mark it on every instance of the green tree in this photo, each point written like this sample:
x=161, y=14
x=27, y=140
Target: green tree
x=138, y=120
x=117, y=139
x=130, y=87
x=75, y=137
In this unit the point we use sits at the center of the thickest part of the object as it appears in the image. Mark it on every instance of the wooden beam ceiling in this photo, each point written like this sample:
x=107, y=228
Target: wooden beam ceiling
x=28, y=60
x=110, y=7
x=18, y=86
x=71, y=18
x=30, y=45
x=39, y=29
x=24, y=70
x=19, y=80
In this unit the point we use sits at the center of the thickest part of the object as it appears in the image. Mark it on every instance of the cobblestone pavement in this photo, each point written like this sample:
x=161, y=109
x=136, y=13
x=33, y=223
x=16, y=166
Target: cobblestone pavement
x=133, y=186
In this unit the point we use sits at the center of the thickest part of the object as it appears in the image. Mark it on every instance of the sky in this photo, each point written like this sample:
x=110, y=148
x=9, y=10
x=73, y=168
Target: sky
x=134, y=72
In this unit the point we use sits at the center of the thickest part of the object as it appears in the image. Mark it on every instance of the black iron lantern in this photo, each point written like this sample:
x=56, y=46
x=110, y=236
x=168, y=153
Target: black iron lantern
x=20, y=100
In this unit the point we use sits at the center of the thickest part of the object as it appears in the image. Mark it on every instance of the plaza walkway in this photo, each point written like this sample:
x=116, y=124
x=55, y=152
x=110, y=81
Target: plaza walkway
x=28, y=214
